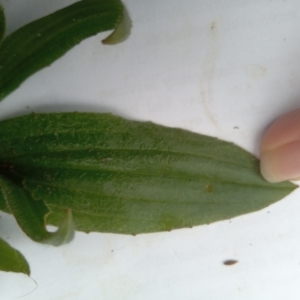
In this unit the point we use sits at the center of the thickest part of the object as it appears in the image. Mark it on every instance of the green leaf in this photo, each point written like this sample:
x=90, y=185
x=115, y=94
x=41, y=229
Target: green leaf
x=12, y=260
x=29, y=213
x=132, y=177
x=40, y=43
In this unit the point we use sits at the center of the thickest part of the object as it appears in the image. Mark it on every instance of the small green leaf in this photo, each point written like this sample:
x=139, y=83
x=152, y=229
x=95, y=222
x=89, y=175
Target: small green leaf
x=30, y=214
x=40, y=43
x=132, y=177
x=12, y=260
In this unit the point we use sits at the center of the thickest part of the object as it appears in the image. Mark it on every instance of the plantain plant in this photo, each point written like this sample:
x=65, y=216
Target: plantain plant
x=22, y=53
x=100, y=172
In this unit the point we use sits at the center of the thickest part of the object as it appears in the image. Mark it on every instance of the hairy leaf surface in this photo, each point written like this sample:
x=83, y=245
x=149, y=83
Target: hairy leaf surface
x=39, y=43
x=12, y=260
x=131, y=177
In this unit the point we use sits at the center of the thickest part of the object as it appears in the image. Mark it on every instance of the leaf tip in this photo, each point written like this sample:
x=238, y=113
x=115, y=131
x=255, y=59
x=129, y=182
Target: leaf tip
x=65, y=233
x=122, y=30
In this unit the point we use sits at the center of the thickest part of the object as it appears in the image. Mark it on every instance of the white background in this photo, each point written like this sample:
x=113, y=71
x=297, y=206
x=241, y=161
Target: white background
x=225, y=68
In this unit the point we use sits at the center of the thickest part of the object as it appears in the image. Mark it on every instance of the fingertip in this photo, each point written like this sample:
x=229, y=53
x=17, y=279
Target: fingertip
x=284, y=130
x=282, y=163
x=266, y=168
x=280, y=149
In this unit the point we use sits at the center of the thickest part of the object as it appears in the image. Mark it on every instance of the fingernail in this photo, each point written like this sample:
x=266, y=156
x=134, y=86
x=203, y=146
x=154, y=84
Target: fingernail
x=282, y=163
x=280, y=149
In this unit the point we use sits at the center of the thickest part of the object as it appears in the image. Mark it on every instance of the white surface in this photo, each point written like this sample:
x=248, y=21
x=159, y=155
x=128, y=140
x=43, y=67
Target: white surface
x=222, y=68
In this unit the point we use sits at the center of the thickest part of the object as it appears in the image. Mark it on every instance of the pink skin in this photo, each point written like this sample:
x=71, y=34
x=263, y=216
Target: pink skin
x=280, y=149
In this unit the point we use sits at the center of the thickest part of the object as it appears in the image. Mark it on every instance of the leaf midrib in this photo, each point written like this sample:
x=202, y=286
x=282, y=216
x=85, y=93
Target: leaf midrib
x=40, y=153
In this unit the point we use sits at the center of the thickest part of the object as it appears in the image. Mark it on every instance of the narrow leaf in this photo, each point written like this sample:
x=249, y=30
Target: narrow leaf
x=40, y=43
x=132, y=177
x=30, y=214
x=12, y=260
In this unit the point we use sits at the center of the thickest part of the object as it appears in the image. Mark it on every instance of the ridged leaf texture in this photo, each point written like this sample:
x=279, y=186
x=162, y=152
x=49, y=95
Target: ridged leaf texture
x=39, y=43
x=130, y=177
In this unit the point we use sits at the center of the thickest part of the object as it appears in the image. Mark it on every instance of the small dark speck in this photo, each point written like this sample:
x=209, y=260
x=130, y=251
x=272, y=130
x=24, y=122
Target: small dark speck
x=230, y=262
x=268, y=212
x=112, y=250
x=236, y=127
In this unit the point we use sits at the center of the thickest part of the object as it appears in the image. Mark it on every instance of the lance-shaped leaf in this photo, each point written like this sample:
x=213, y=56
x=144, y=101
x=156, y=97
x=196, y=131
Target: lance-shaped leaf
x=29, y=213
x=132, y=177
x=40, y=43
x=12, y=260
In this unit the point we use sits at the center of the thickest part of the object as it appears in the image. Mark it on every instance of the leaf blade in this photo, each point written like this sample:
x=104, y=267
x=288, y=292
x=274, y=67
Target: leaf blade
x=39, y=43
x=132, y=177
x=12, y=260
